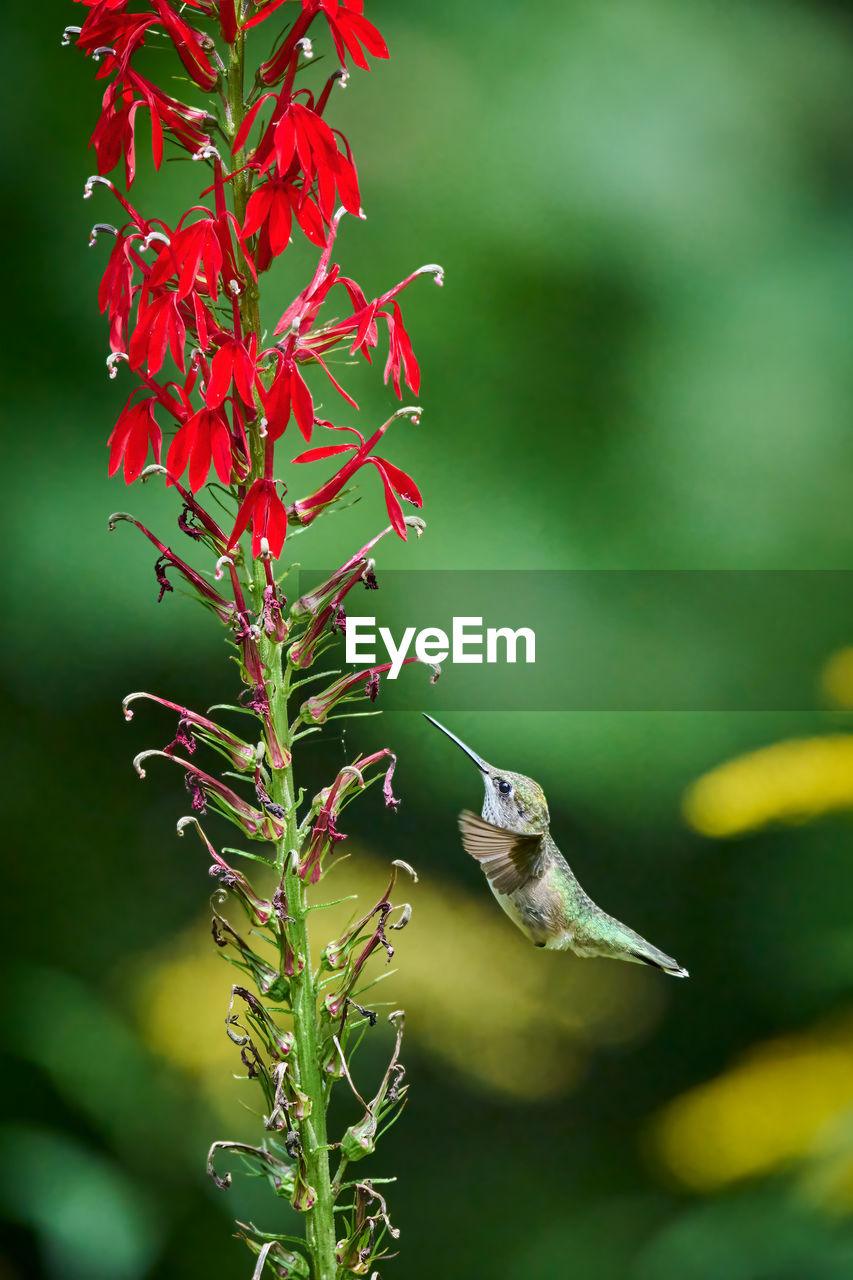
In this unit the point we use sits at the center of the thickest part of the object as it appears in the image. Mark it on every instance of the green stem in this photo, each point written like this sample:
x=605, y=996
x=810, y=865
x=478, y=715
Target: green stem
x=320, y=1223
x=320, y=1219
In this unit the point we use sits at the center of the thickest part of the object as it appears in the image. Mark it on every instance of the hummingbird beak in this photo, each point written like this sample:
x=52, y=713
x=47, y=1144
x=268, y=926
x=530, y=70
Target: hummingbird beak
x=478, y=761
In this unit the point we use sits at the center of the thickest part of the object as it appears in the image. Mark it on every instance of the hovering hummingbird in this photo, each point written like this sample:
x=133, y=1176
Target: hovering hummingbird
x=532, y=880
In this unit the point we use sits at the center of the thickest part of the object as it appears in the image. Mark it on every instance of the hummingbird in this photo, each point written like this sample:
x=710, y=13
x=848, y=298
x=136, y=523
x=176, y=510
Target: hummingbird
x=531, y=879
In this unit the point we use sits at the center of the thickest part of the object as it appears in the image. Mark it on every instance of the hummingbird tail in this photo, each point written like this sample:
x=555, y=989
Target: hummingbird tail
x=647, y=954
x=622, y=943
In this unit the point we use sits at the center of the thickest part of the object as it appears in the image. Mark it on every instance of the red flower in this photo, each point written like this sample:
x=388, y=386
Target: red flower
x=302, y=312
x=158, y=325
x=161, y=287
x=288, y=391
x=270, y=205
x=189, y=44
x=273, y=203
x=193, y=246
x=307, y=215
x=135, y=430
x=123, y=33
x=394, y=480
x=203, y=438
x=350, y=30
x=264, y=11
x=228, y=20
x=298, y=137
x=114, y=132
x=107, y=27
x=401, y=357
x=400, y=353
x=115, y=295
x=113, y=135
x=233, y=362
x=310, y=342
x=201, y=252
x=168, y=113
x=265, y=509
x=270, y=210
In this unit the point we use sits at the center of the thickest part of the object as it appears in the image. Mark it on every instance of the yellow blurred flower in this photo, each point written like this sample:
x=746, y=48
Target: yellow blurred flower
x=787, y=1100
x=790, y=781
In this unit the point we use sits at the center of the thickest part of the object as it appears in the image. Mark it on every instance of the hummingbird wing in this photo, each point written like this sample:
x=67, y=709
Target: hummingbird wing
x=509, y=858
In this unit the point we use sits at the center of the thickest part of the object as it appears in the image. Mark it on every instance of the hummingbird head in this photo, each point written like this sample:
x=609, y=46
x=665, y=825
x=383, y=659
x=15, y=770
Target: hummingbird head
x=513, y=801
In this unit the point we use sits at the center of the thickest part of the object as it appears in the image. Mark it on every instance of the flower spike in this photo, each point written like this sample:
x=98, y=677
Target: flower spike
x=210, y=401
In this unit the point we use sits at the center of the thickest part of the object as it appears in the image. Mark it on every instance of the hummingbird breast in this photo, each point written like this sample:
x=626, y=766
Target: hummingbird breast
x=540, y=912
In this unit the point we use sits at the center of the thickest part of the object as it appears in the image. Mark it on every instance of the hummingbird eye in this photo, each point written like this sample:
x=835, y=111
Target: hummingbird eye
x=503, y=786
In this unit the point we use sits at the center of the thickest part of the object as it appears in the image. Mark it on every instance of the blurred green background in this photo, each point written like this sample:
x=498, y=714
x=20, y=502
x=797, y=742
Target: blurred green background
x=640, y=359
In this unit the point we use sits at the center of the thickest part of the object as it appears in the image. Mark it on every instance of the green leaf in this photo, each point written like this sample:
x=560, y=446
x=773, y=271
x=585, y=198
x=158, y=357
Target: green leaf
x=243, y=853
x=320, y=906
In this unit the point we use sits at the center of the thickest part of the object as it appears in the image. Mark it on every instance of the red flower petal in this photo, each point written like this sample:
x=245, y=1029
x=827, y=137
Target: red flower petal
x=277, y=404
x=201, y=451
x=328, y=451
x=303, y=405
x=180, y=448
x=258, y=209
x=365, y=32
x=395, y=511
x=403, y=483
x=220, y=447
x=311, y=221
x=279, y=223
x=284, y=142
x=249, y=119
x=274, y=527
x=244, y=374
x=136, y=450
x=262, y=14
x=244, y=514
x=221, y=371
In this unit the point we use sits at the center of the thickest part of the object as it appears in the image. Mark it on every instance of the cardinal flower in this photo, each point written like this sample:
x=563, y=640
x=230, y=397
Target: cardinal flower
x=394, y=480
x=233, y=362
x=159, y=325
x=263, y=506
x=114, y=133
x=270, y=211
x=192, y=247
x=131, y=436
x=188, y=314
x=190, y=45
x=297, y=139
x=203, y=438
x=107, y=27
x=287, y=392
x=115, y=296
x=351, y=33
